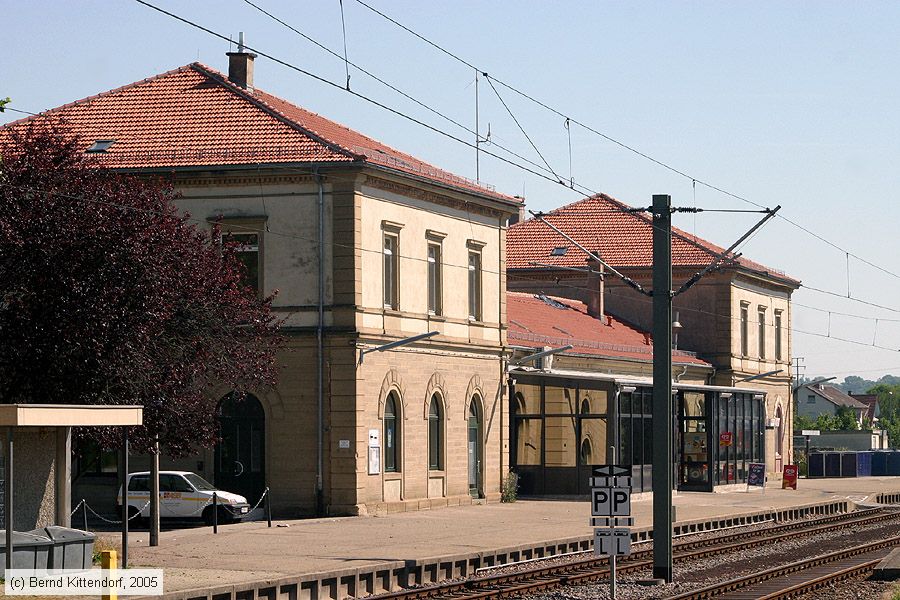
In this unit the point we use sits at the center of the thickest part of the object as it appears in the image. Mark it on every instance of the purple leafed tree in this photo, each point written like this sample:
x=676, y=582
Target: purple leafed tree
x=108, y=295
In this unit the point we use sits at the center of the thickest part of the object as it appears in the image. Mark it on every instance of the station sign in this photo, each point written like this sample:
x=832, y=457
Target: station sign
x=613, y=542
x=612, y=471
x=810, y=432
x=611, y=502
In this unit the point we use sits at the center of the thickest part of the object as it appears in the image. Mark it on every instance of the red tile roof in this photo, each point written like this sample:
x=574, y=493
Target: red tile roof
x=623, y=239
x=193, y=116
x=871, y=402
x=534, y=322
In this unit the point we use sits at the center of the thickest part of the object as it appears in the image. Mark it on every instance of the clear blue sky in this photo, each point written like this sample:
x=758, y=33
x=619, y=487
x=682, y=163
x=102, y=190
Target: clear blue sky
x=791, y=103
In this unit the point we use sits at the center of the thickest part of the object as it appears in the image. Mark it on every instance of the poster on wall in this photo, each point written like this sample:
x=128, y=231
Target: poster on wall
x=756, y=475
x=789, y=477
x=726, y=438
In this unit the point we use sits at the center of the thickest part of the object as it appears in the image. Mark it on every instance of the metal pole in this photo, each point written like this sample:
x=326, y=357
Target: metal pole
x=8, y=497
x=612, y=527
x=807, y=457
x=268, y=508
x=215, y=513
x=154, y=494
x=320, y=333
x=123, y=477
x=662, y=387
x=84, y=512
x=477, y=133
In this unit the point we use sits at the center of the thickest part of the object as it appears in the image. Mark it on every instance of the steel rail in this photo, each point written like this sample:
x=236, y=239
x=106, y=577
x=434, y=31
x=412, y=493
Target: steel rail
x=739, y=583
x=594, y=569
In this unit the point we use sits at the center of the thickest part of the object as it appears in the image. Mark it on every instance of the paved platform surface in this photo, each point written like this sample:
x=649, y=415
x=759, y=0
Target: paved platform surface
x=243, y=552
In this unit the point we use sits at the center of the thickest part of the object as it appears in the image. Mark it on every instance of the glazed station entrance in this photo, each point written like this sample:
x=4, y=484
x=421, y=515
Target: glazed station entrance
x=560, y=432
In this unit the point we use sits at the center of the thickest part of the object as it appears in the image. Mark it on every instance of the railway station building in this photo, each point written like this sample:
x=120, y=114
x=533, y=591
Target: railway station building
x=366, y=245
x=731, y=355
x=570, y=410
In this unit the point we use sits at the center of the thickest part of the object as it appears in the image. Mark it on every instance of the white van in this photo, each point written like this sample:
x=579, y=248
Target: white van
x=182, y=495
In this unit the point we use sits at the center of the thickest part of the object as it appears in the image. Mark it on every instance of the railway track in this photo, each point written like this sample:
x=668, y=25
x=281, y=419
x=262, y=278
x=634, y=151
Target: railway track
x=799, y=577
x=579, y=572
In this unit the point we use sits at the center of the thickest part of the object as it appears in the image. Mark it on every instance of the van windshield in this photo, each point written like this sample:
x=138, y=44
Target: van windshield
x=198, y=482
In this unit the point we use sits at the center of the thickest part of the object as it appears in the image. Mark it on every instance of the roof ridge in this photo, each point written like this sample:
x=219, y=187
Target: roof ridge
x=222, y=80
x=50, y=111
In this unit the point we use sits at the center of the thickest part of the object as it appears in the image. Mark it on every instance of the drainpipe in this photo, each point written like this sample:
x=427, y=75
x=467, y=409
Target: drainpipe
x=320, y=388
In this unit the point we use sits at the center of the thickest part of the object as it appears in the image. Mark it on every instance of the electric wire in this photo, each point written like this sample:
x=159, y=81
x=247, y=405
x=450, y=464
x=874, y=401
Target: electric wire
x=623, y=145
x=379, y=252
x=397, y=112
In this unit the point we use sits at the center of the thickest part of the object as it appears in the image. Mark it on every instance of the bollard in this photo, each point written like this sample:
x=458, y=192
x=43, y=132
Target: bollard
x=215, y=513
x=108, y=562
x=268, y=508
x=84, y=512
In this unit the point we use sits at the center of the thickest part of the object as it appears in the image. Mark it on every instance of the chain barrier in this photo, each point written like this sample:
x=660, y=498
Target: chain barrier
x=261, y=498
x=193, y=514
x=166, y=508
x=75, y=510
x=119, y=522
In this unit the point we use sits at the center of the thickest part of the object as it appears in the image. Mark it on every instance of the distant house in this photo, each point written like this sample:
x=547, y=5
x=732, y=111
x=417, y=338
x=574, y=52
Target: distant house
x=873, y=412
x=820, y=399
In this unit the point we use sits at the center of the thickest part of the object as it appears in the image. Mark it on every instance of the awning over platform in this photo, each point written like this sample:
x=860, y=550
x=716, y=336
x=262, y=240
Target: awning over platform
x=69, y=415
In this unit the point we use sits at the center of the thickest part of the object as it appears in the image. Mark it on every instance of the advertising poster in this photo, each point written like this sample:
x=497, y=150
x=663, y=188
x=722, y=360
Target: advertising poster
x=789, y=478
x=756, y=476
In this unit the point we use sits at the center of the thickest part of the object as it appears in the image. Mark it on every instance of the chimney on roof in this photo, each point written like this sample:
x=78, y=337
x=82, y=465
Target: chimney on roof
x=240, y=66
x=595, y=287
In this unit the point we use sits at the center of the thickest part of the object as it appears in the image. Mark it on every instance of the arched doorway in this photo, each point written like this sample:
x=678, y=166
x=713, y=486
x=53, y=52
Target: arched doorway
x=241, y=451
x=474, y=448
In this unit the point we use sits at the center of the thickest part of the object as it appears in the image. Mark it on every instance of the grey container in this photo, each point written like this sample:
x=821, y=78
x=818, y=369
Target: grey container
x=29, y=551
x=72, y=548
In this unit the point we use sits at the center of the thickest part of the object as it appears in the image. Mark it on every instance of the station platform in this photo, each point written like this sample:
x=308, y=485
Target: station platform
x=350, y=556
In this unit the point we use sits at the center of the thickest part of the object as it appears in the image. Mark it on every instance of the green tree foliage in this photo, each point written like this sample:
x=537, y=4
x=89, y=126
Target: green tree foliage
x=3, y=103
x=843, y=420
x=109, y=295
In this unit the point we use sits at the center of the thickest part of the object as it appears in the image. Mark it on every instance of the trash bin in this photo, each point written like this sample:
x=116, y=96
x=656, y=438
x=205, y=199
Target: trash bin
x=72, y=548
x=29, y=551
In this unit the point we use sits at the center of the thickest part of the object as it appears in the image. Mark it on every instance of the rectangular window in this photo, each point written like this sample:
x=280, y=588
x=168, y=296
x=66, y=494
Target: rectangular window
x=810, y=399
x=434, y=279
x=761, y=313
x=475, y=286
x=391, y=272
x=247, y=252
x=745, y=310
x=778, y=350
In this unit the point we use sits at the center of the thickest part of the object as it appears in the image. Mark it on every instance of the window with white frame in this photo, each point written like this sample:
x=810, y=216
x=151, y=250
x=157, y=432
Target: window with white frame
x=435, y=276
x=761, y=327
x=391, y=253
x=245, y=236
x=779, y=352
x=745, y=328
x=475, y=285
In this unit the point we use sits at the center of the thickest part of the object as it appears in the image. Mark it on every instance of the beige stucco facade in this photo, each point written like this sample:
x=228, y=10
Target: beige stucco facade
x=461, y=364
